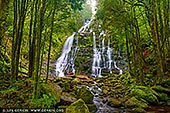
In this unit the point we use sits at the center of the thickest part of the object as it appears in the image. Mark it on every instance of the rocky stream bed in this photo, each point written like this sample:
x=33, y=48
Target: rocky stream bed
x=111, y=94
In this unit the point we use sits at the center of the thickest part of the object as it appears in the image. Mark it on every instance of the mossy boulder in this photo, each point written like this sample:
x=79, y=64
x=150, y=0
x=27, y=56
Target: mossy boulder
x=138, y=110
x=166, y=83
x=85, y=94
x=163, y=97
x=76, y=81
x=114, y=102
x=67, y=97
x=145, y=93
x=105, y=90
x=78, y=106
x=161, y=89
x=92, y=108
x=52, y=88
x=134, y=103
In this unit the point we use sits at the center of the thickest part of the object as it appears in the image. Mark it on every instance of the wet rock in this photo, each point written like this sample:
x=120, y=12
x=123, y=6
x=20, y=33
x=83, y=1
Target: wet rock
x=78, y=106
x=68, y=97
x=86, y=95
x=65, y=84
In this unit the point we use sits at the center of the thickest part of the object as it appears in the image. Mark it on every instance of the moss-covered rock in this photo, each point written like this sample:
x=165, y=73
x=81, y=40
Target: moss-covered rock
x=114, y=102
x=105, y=90
x=68, y=97
x=86, y=95
x=166, y=83
x=92, y=108
x=52, y=88
x=139, y=110
x=76, y=81
x=77, y=107
x=161, y=89
x=145, y=93
x=133, y=103
x=163, y=96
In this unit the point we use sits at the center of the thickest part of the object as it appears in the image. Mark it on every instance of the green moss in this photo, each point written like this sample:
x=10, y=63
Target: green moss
x=86, y=95
x=161, y=89
x=133, y=102
x=145, y=93
x=114, y=103
x=166, y=82
x=52, y=90
x=92, y=108
x=77, y=107
x=139, y=110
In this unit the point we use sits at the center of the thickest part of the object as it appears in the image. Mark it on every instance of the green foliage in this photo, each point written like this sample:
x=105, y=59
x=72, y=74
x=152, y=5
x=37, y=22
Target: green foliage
x=46, y=101
x=86, y=12
x=9, y=90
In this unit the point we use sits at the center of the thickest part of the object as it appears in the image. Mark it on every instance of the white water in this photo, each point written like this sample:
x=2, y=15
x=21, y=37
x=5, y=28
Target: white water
x=102, y=57
x=66, y=60
x=62, y=61
x=96, y=65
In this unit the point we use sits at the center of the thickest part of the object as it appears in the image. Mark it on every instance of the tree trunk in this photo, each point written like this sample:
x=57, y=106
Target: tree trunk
x=50, y=41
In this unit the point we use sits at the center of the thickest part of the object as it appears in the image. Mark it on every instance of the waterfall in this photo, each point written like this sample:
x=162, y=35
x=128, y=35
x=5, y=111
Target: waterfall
x=102, y=55
x=66, y=59
x=96, y=65
x=109, y=55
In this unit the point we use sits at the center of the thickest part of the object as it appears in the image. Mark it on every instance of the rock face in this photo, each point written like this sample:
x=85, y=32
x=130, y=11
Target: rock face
x=86, y=95
x=68, y=97
x=78, y=106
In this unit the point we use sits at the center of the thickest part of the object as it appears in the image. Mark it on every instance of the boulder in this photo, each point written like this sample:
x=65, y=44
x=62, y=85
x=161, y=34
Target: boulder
x=85, y=94
x=135, y=103
x=68, y=97
x=54, y=89
x=114, y=102
x=161, y=89
x=138, y=110
x=92, y=108
x=78, y=106
x=146, y=93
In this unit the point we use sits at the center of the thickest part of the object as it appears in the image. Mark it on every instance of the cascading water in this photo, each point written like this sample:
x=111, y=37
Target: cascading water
x=65, y=63
x=66, y=59
x=102, y=57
